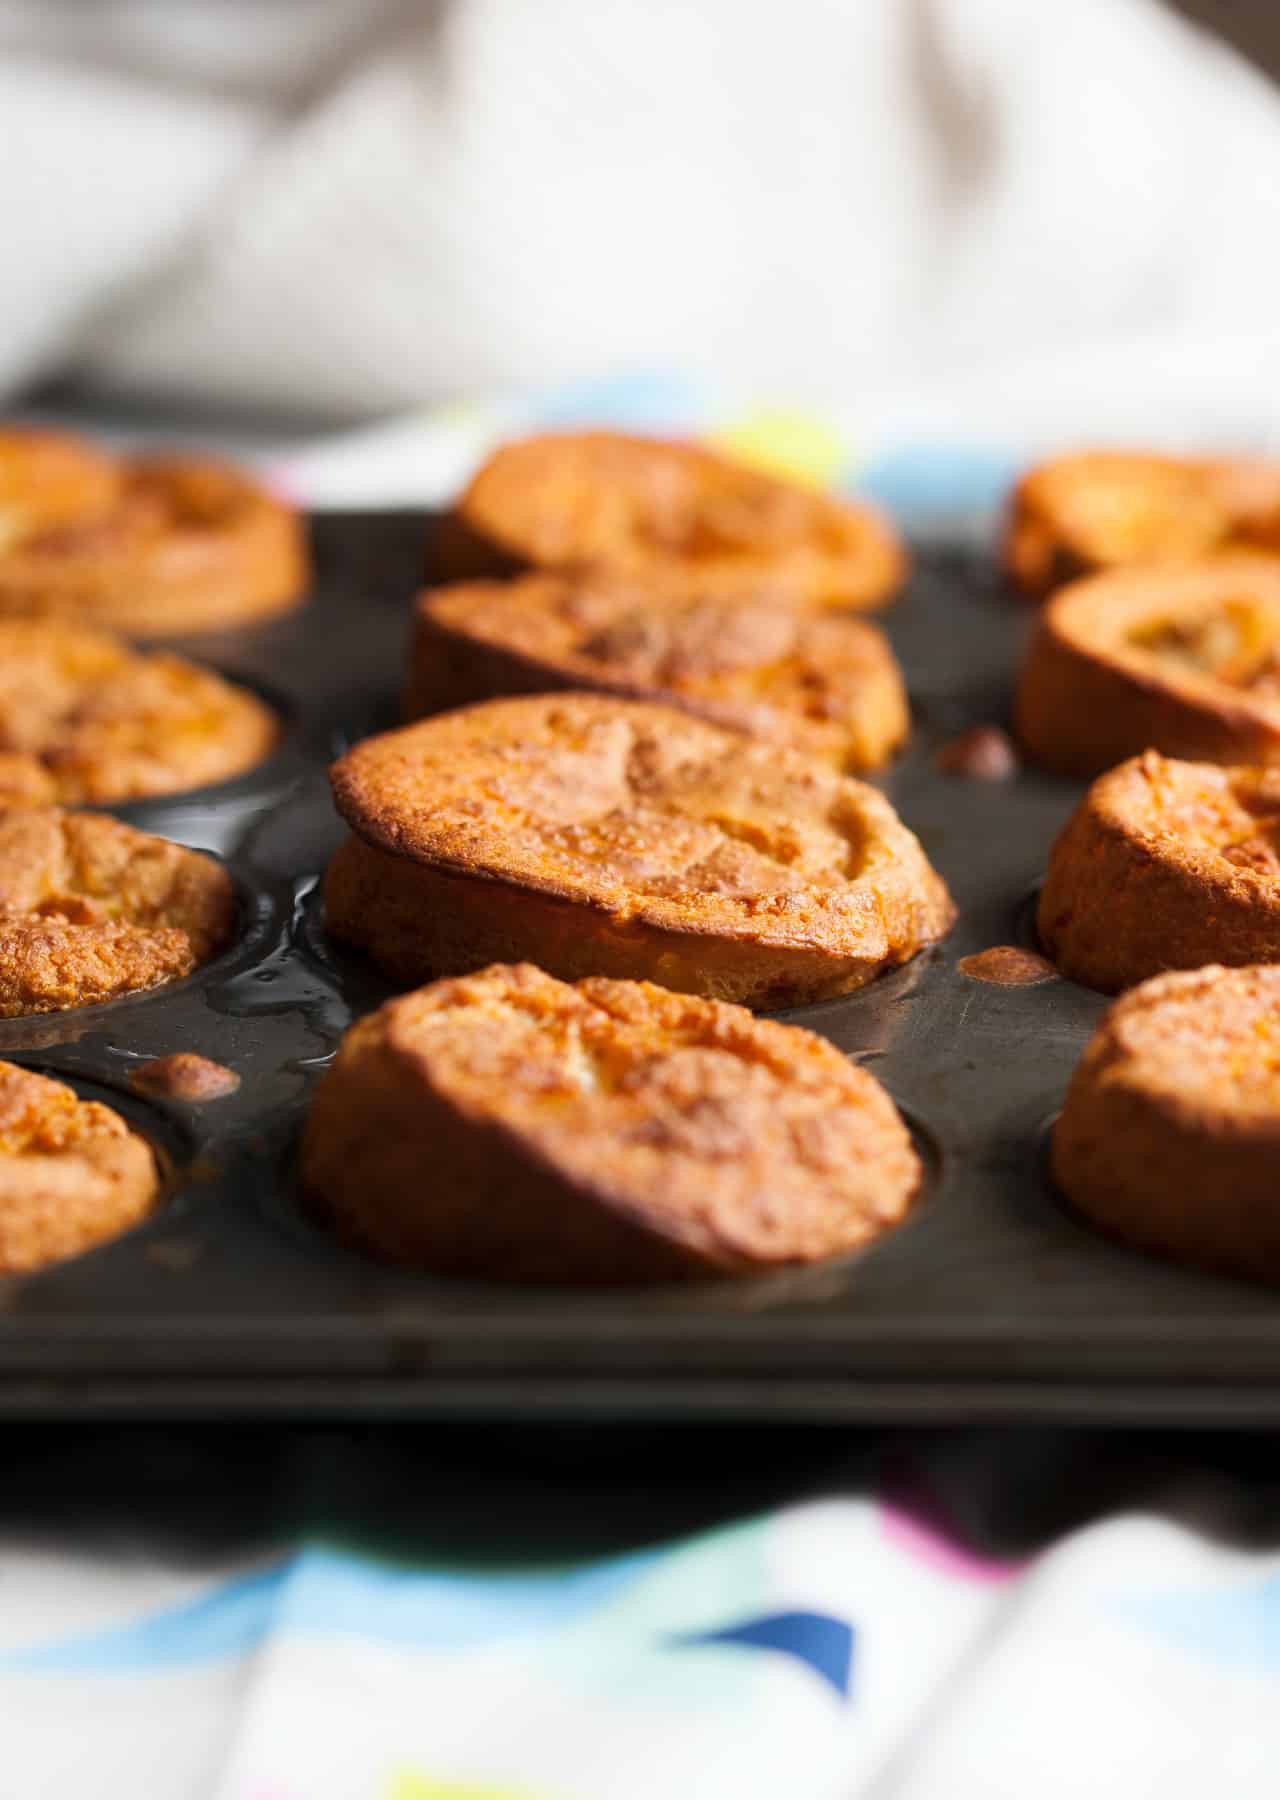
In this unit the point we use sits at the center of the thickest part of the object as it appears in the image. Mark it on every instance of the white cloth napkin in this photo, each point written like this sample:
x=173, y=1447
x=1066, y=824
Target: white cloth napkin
x=409, y=1615
x=352, y=207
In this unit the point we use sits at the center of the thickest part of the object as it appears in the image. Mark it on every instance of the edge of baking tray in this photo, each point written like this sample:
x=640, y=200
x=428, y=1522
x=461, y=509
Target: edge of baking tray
x=572, y=1398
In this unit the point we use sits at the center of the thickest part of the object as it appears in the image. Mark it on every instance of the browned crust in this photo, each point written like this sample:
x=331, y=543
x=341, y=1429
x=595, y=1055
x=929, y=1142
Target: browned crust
x=1170, y=1130
x=1088, y=697
x=667, y=513
x=1165, y=865
x=91, y=909
x=598, y=835
x=1100, y=509
x=85, y=718
x=506, y=1126
x=826, y=685
x=50, y=480
x=72, y=1174
x=190, y=545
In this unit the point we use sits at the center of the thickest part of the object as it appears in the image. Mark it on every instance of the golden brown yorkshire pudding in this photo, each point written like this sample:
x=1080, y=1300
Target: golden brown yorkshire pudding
x=1101, y=509
x=91, y=909
x=50, y=480
x=667, y=514
x=508, y=1127
x=72, y=1174
x=1165, y=865
x=1170, y=1130
x=1183, y=658
x=188, y=545
x=602, y=836
x=85, y=718
x=821, y=683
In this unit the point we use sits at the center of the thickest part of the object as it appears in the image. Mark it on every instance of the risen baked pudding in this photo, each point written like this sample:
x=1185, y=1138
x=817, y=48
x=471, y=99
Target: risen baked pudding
x=822, y=683
x=185, y=545
x=1099, y=509
x=1165, y=865
x=50, y=480
x=666, y=513
x=91, y=909
x=85, y=718
x=1170, y=1130
x=1183, y=658
x=602, y=836
x=72, y=1173
x=510, y=1127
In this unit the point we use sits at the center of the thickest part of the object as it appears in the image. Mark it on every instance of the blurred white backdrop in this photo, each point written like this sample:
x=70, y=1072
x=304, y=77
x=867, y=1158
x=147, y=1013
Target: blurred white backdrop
x=344, y=207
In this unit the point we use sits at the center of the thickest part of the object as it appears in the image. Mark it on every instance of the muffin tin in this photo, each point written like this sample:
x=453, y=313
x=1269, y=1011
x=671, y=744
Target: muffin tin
x=991, y=1302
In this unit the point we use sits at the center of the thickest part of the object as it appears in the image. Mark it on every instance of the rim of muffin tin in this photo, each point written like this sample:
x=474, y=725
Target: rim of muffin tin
x=263, y=911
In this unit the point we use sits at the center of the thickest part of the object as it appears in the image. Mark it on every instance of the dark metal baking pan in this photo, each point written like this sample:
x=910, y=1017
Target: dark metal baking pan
x=991, y=1302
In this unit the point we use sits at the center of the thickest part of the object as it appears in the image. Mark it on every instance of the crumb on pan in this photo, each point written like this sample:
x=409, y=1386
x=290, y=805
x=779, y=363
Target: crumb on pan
x=985, y=753
x=185, y=1076
x=1007, y=965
